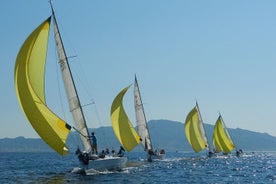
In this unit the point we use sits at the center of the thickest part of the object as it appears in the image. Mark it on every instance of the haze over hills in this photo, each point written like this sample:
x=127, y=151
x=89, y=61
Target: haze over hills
x=164, y=133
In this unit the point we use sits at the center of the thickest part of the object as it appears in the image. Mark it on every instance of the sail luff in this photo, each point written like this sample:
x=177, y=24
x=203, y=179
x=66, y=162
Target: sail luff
x=71, y=92
x=141, y=118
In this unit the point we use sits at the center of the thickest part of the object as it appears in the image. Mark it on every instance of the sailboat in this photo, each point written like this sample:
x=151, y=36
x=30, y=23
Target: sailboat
x=195, y=132
x=29, y=83
x=122, y=126
x=222, y=141
x=142, y=126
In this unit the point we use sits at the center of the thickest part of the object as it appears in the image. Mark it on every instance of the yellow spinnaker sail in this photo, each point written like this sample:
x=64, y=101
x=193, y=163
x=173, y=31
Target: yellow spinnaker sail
x=216, y=142
x=194, y=131
x=29, y=84
x=122, y=126
x=221, y=138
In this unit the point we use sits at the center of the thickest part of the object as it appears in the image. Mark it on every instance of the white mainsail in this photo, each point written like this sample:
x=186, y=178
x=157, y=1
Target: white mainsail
x=141, y=118
x=202, y=129
x=72, y=96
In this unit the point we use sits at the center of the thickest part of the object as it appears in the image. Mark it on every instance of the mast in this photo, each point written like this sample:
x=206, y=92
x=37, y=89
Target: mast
x=141, y=118
x=202, y=127
x=70, y=88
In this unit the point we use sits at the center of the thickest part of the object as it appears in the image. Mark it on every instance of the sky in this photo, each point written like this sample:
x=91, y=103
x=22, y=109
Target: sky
x=221, y=54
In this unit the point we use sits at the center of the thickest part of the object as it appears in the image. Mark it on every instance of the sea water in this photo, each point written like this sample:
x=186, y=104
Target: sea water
x=178, y=167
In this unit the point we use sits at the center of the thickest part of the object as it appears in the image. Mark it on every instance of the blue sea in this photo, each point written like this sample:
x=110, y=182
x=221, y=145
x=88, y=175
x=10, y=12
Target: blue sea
x=178, y=167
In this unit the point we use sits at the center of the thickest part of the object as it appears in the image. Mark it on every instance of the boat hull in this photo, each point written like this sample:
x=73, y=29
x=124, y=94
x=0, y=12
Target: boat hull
x=159, y=157
x=109, y=163
x=156, y=157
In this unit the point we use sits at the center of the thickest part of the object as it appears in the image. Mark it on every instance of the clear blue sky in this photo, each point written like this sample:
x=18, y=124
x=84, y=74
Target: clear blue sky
x=220, y=53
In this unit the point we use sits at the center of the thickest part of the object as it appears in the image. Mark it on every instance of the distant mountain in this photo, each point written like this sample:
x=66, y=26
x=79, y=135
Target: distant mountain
x=164, y=133
x=21, y=144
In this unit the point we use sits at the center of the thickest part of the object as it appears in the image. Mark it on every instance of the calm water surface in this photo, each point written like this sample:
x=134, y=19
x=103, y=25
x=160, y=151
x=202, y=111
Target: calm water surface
x=178, y=167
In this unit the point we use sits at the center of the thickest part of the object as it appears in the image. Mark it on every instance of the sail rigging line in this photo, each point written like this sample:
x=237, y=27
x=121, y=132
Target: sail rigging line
x=88, y=104
x=76, y=139
x=142, y=106
x=70, y=87
x=226, y=130
x=208, y=144
x=106, y=142
x=59, y=89
x=81, y=77
x=80, y=132
x=83, y=83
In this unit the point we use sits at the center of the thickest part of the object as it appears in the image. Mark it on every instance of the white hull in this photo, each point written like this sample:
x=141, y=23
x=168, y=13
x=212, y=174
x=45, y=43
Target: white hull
x=158, y=157
x=107, y=163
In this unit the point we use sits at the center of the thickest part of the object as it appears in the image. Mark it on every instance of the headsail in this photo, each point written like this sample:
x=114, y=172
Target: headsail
x=141, y=118
x=221, y=138
x=29, y=84
x=122, y=126
x=72, y=96
x=216, y=141
x=194, y=130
